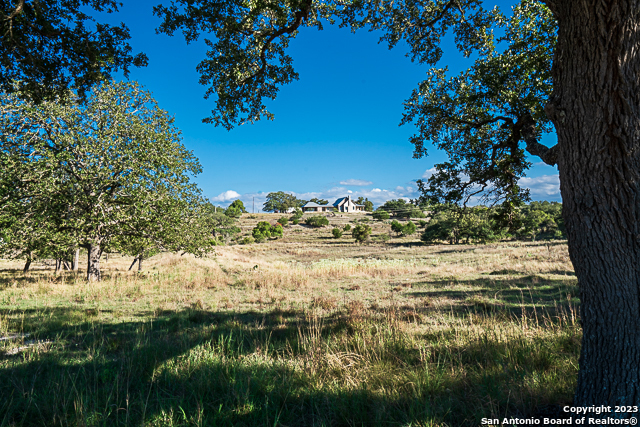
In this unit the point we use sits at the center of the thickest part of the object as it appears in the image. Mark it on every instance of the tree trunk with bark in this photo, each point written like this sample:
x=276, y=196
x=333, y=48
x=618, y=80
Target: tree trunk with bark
x=28, y=263
x=140, y=258
x=595, y=107
x=93, y=262
x=76, y=258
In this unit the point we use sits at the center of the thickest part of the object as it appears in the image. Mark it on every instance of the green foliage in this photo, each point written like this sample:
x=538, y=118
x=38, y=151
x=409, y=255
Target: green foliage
x=247, y=240
x=295, y=221
x=276, y=231
x=396, y=227
x=319, y=201
x=261, y=232
x=361, y=232
x=368, y=205
x=408, y=229
x=110, y=170
x=238, y=204
x=49, y=46
x=281, y=202
x=233, y=211
x=380, y=215
x=485, y=117
x=401, y=209
x=297, y=214
x=337, y=233
x=317, y=221
x=422, y=223
x=284, y=221
x=346, y=227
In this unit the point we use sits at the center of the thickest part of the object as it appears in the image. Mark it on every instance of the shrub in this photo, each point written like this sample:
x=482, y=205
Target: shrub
x=317, y=221
x=262, y=231
x=284, y=221
x=346, y=227
x=361, y=232
x=381, y=215
x=247, y=240
x=422, y=223
x=381, y=238
x=396, y=227
x=295, y=221
x=296, y=215
x=337, y=233
x=276, y=231
x=409, y=229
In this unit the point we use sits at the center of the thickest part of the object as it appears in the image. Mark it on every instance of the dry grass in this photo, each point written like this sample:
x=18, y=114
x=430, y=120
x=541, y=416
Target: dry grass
x=306, y=330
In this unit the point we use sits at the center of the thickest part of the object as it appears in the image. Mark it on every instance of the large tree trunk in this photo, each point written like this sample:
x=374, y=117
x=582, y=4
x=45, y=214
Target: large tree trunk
x=140, y=258
x=76, y=259
x=93, y=262
x=27, y=264
x=595, y=107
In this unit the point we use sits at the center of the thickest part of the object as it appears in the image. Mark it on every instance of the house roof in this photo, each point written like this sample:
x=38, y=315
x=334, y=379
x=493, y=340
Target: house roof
x=343, y=199
x=314, y=205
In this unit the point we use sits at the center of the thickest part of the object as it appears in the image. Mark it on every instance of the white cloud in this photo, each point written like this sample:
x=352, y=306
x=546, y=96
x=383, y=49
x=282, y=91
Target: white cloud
x=356, y=182
x=376, y=190
x=544, y=185
x=429, y=173
x=227, y=195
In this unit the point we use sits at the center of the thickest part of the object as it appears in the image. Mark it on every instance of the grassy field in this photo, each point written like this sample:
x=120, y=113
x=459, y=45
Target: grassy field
x=307, y=330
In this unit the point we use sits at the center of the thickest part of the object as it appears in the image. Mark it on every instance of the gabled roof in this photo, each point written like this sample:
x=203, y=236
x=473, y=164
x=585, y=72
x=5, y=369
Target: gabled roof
x=339, y=201
x=314, y=205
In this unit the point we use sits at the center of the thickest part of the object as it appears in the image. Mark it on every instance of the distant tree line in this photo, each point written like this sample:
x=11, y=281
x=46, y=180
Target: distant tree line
x=481, y=224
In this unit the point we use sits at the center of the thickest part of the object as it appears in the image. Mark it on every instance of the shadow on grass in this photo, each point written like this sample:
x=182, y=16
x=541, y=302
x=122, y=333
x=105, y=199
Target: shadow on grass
x=258, y=369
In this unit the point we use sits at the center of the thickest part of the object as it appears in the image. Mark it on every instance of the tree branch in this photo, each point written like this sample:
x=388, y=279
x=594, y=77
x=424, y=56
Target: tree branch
x=530, y=137
x=299, y=16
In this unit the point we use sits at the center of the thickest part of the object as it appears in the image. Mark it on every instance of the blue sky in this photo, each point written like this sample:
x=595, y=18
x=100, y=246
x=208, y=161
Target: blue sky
x=335, y=130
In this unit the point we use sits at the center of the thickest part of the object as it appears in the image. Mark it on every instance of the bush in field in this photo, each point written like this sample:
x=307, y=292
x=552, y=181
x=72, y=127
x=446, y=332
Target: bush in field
x=247, y=240
x=381, y=215
x=422, y=223
x=297, y=214
x=262, y=231
x=409, y=229
x=361, y=232
x=396, y=227
x=295, y=222
x=317, y=221
x=337, y=233
x=347, y=227
x=276, y=231
x=284, y=221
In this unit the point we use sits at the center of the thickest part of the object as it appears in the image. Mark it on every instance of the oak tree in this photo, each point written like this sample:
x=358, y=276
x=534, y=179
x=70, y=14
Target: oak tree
x=99, y=171
x=49, y=46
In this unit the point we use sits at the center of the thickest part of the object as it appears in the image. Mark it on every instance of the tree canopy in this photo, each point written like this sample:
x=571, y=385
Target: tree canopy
x=281, y=202
x=49, y=46
x=104, y=172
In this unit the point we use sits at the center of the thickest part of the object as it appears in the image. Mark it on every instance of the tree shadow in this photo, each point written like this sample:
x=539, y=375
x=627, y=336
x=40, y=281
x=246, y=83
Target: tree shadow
x=247, y=369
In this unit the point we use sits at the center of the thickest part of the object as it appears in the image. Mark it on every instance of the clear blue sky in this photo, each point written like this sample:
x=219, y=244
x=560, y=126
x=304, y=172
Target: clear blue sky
x=335, y=130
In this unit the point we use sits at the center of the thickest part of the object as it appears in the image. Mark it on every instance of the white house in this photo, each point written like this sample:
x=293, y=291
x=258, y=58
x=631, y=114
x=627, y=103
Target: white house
x=346, y=204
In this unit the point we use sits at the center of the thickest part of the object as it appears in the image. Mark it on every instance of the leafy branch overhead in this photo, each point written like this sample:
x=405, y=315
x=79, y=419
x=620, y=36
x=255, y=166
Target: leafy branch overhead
x=49, y=46
x=485, y=118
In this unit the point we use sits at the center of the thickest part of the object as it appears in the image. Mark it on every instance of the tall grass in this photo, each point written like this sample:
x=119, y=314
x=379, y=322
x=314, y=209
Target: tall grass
x=370, y=337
